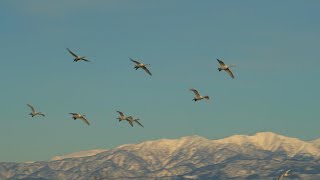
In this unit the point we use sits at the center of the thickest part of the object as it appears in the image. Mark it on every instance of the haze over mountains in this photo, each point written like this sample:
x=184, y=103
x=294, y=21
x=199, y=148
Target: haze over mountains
x=262, y=156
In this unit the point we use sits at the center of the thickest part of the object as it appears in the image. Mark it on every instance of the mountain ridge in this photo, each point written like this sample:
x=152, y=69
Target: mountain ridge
x=263, y=155
x=78, y=154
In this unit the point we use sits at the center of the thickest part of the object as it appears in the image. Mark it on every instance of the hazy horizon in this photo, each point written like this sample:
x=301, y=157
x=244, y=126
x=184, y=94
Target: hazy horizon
x=273, y=44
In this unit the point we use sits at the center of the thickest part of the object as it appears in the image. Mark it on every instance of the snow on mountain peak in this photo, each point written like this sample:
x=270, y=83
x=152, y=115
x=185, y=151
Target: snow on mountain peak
x=316, y=142
x=165, y=147
x=78, y=154
x=273, y=142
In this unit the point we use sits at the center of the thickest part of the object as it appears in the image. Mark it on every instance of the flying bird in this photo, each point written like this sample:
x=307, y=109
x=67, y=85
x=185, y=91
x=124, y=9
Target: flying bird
x=76, y=57
x=81, y=117
x=225, y=67
x=141, y=65
x=198, y=96
x=121, y=117
x=286, y=174
x=131, y=121
x=34, y=112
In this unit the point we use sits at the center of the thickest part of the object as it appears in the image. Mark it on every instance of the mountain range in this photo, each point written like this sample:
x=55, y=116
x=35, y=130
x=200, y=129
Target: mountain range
x=264, y=155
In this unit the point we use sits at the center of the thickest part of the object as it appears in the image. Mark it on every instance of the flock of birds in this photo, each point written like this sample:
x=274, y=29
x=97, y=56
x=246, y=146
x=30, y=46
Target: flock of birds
x=130, y=119
x=137, y=65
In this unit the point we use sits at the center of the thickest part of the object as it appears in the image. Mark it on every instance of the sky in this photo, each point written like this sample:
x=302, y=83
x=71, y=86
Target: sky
x=274, y=45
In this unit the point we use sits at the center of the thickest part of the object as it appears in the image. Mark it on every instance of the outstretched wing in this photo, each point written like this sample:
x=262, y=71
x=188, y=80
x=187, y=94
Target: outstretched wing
x=129, y=119
x=288, y=171
x=32, y=108
x=85, y=60
x=73, y=113
x=41, y=114
x=147, y=70
x=230, y=73
x=121, y=113
x=137, y=121
x=72, y=53
x=221, y=62
x=195, y=92
x=130, y=122
x=134, y=61
x=280, y=177
x=85, y=120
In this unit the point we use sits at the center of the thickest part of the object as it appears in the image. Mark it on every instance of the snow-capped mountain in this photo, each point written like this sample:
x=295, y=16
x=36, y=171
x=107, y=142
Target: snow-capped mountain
x=316, y=143
x=79, y=154
x=260, y=156
x=272, y=142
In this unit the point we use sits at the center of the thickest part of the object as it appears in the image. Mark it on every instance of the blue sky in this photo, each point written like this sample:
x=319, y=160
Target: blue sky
x=275, y=46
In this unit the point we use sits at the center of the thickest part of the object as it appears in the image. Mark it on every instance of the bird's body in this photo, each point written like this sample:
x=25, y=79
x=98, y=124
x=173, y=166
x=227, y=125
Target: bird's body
x=81, y=117
x=141, y=65
x=76, y=57
x=285, y=174
x=121, y=117
x=198, y=96
x=34, y=112
x=131, y=120
x=224, y=67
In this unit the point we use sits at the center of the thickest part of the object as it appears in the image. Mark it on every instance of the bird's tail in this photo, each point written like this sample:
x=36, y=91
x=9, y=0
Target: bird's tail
x=207, y=97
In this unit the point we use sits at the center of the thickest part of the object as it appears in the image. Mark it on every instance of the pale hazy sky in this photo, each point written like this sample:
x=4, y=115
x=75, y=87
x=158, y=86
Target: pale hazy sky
x=275, y=45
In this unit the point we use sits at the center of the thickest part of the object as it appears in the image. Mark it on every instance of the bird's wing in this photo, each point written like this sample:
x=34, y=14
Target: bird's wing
x=288, y=171
x=85, y=120
x=135, y=61
x=147, y=70
x=72, y=53
x=280, y=177
x=230, y=73
x=221, y=62
x=121, y=113
x=73, y=114
x=32, y=108
x=41, y=114
x=84, y=59
x=137, y=121
x=130, y=122
x=195, y=92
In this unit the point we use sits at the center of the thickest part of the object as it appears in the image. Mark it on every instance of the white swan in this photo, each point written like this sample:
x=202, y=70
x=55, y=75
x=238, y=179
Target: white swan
x=198, y=96
x=76, y=57
x=141, y=65
x=81, y=117
x=225, y=67
x=34, y=112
